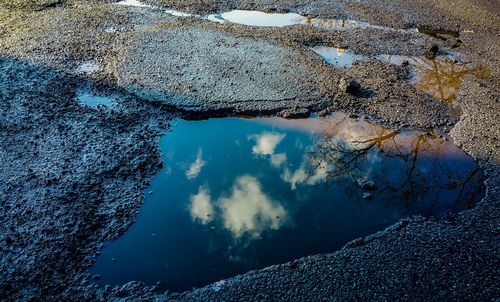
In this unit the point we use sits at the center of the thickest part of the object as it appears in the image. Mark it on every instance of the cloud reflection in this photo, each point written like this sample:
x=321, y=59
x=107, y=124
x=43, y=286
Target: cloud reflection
x=195, y=168
x=266, y=143
x=278, y=159
x=316, y=175
x=248, y=210
x=200, y=207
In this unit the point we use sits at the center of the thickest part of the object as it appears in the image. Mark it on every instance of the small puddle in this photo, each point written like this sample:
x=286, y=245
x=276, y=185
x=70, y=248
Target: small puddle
x=438, y=33
x=88, y=67
x=272, y=190
x=339, y=57
x=179, y=14
x=257, y=18
x=440, y=77
x=133, y=3
x=88, y=98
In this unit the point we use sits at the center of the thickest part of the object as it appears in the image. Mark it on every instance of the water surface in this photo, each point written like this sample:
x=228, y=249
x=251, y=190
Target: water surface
x=240, y=194
x=88, y=67
x=133, y=3
x=440, y=77
x=258, y=18
x=339, y=57
x=90, y=98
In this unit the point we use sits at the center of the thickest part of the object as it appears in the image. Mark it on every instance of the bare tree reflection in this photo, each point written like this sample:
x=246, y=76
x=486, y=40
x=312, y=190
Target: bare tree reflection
x=442, y=78
x=416, y=170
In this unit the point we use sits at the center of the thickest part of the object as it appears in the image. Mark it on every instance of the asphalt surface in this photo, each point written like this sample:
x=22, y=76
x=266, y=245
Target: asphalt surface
x=73, y=176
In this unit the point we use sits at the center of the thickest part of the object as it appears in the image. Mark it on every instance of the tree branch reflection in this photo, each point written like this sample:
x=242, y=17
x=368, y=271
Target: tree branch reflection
x=416, y=170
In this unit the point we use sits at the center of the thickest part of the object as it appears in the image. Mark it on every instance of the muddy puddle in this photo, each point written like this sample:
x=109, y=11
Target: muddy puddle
x=440, y=77
x=444, y=34
x=240, y=194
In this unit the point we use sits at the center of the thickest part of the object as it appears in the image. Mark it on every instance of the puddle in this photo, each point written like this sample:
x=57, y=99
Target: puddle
x=272, y=190
x=257, y=18
x=88, y=98
x=440, y=77
x=437, y=33
x=111, y=29
x=88, y=67
x=179, y=14
x=133, y=3
x=337, y=56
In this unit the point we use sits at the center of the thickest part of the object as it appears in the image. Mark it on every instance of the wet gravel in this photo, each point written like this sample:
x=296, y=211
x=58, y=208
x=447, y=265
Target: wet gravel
x=73, y=177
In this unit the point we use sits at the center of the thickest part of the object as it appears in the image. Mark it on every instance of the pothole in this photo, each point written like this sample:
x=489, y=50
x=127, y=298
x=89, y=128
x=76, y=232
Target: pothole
x=241, y=194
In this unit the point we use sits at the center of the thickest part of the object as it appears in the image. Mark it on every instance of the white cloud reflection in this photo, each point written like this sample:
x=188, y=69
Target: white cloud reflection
x=201, y=207
x=278, y=159
x=266, y=143
x=250, y=211
x=195, y=168
x=301, y=176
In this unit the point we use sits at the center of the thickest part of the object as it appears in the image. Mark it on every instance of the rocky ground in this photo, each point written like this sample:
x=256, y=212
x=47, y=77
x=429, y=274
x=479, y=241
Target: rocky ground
x=73, y=176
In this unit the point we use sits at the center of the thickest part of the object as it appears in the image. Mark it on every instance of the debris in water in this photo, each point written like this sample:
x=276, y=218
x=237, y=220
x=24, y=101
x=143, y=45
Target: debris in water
x=179, y=14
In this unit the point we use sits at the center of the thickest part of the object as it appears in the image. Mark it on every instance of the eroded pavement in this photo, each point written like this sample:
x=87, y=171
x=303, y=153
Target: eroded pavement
x=73, y=175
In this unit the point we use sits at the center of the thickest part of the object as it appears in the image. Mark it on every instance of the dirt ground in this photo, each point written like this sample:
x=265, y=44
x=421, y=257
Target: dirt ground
x=73, y=176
